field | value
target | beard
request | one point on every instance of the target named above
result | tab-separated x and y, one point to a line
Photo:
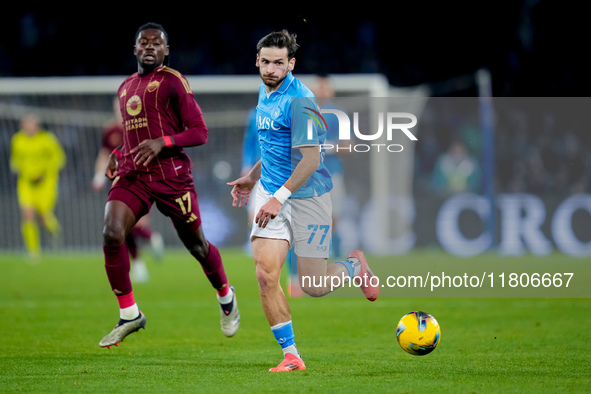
272	82
150	65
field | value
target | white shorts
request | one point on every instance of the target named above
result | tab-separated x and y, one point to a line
306	223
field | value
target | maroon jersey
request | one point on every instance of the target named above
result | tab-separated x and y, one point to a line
155	105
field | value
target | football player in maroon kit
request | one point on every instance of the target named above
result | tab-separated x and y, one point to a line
160	117
111	138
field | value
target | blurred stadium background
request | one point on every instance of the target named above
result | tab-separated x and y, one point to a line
526	163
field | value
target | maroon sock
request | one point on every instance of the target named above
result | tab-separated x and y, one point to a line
214	269
132	246
126	300
117	267
143	232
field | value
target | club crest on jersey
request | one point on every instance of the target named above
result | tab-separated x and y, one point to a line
134	105
152	86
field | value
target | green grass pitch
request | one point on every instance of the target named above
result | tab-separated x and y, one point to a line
53	314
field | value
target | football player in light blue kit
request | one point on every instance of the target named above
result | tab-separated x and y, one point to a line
292	202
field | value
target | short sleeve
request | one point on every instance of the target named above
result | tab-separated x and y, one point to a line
306	122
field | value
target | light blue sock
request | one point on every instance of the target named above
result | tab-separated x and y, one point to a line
284	334
352	266
348	266
285	338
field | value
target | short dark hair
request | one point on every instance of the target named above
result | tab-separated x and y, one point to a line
151	25
280	39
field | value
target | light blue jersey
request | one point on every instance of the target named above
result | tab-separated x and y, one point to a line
331	158
288	119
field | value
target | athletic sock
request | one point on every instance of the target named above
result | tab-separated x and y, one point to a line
285	337
51	223
226	295
128	309
214	268
292	349
142	232
227	301
129	313
352	265
132	246
117	266
31	237
139	271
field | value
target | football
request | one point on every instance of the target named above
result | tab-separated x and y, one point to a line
418	333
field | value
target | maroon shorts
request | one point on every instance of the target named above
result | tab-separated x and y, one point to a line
175	198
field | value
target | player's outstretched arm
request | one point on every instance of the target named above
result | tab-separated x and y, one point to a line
100	166
305	168
242	186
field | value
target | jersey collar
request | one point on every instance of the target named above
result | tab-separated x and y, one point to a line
286	83
156	70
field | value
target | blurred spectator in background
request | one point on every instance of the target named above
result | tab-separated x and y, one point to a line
456	171
37	158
